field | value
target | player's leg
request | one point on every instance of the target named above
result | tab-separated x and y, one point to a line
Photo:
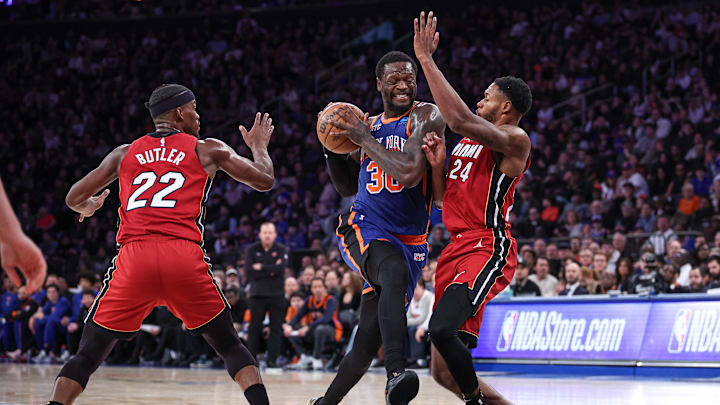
387	268
441	374
95	346
258	308
357	361
239	362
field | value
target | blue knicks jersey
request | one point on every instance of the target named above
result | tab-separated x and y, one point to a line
382	200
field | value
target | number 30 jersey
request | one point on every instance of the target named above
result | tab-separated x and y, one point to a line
477	194
381	199
163	189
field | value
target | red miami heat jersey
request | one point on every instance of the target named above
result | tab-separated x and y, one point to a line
163	189
477	194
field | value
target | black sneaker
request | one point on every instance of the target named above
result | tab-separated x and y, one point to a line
476	400
402	388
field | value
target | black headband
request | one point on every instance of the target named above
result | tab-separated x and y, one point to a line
169	103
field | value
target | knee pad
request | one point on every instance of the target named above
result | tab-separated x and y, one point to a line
79	368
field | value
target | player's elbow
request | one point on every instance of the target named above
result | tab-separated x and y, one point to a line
72	200
265	183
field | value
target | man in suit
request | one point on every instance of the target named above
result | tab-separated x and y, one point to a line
572	278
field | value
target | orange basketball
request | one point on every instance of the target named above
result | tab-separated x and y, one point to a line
327	132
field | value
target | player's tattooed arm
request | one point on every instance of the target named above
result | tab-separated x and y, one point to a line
80	197
257	173
434	148
408	166
344	171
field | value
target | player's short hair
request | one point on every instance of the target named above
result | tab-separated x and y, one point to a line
165	92
517	91
391	57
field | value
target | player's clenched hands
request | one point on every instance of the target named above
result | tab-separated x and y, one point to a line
434	148
20	252
426	37
259	134
92	204
353	127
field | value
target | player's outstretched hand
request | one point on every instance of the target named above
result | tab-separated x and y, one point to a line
352	126
434	148
20	252
259	134
92	204
426	37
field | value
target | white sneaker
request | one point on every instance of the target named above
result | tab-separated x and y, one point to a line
41	358
305	362
317	364
64	357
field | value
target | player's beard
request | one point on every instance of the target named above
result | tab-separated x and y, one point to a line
490	116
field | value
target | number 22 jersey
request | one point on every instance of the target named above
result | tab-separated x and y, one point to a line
163	189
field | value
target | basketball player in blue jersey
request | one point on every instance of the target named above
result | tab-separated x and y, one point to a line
383	236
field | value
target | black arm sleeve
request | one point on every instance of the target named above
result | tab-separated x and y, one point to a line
344	173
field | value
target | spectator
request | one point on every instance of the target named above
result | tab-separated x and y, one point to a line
600	264
619	242
77	323
647	219
238	307
50	325
590	280
319	312
306	279
266	261
701	255
573	227
649	281
572	277
428	275
586	258
438	240
332	283
22	309
232	279
680	258
689	203
528	255
696	281
660	238
713	266
349	303
523	286
542	277
291	286
623	274
607	282
418	315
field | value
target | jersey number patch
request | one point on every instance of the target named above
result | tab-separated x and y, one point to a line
380	180
457	164
145	180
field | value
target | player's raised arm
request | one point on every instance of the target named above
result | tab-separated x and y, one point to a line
457	115
409	166
80	197
257	173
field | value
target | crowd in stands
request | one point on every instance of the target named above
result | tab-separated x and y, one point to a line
623	196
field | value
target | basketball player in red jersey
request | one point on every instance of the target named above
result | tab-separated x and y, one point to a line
485	167
164	179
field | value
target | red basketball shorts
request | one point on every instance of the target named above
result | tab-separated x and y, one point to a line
157	272
483	261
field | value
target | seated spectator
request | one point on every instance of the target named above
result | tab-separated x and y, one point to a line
701	255
332	283
623	274
573	274
585	258
688	204
77	322
437	240
649	281
238	306
306	279
662	235
418	315
607	283
670	274
680	258
696	282
646	220
349	303
22	309
322	327
550	212
50	325
428	275
590	280
290	286
523	286
542	277
232	279
600	263
713	266
528	255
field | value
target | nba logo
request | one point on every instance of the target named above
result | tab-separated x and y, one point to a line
680	331
507	332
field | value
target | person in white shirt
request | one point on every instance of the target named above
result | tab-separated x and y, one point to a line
543	278
618	242
674	252
418	319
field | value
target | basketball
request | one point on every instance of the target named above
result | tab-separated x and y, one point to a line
327	132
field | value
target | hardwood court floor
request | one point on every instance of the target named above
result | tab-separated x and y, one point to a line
31	384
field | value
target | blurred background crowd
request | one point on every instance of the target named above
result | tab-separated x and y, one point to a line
622	195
